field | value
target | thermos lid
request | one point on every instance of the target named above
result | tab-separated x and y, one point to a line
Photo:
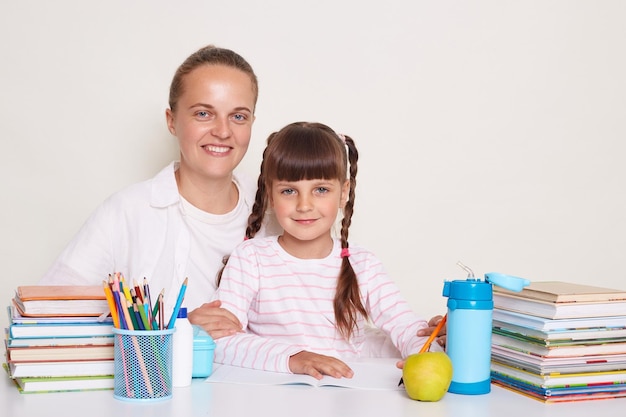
507	282
477	290
468	289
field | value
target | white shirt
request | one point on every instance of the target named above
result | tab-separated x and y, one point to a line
146	231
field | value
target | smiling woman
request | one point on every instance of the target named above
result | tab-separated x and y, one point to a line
183	221
212	121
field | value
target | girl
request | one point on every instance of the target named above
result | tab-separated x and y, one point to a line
305	297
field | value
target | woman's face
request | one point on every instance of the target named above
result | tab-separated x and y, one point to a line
213	121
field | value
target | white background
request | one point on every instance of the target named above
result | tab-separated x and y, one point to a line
490	132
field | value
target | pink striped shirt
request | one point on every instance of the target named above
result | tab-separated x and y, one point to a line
286	306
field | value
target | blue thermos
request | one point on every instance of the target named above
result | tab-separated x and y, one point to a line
469	325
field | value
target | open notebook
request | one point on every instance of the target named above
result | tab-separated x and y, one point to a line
371	375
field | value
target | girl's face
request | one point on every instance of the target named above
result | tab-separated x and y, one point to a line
213	121
307	211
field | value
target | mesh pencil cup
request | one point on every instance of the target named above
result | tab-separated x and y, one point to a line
143	364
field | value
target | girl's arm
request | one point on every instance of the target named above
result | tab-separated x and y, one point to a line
251	351
238	290
390	311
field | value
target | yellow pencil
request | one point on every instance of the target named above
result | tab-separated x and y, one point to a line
109	296
126	289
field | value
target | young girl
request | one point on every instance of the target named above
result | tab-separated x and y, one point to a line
305	297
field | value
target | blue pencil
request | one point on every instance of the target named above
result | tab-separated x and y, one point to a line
179	302
118	302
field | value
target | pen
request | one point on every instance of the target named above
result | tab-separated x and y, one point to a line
179	302
430	339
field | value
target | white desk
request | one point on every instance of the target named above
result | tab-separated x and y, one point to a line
204	399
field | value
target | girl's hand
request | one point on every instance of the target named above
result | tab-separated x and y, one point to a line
216	321
317	365
432	323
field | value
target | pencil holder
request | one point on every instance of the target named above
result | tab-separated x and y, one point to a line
143	364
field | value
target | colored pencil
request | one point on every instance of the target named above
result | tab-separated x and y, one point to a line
179	302
138	291
111	301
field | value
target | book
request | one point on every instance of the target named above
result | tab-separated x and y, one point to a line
560	337
546	324
60	300
597	347
16	318
59	341
561	292
86	383
551	310
541	366
59	353
558	380
559	395
549	364
373	375
55	330
64	369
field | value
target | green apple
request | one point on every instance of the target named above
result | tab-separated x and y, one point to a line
427	375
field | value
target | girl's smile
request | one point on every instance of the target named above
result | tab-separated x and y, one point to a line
307	211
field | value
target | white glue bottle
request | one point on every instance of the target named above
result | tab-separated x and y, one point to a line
182	350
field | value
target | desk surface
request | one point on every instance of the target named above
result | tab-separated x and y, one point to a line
205	399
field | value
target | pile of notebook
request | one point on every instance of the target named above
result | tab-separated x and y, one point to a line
558	341
59	338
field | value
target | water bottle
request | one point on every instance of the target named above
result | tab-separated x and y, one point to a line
182	350
469	325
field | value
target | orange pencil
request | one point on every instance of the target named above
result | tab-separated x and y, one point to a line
434	334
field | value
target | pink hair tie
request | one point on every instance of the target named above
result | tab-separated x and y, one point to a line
345	252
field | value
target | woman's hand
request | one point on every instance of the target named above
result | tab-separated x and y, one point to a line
432	323
217	322
317	365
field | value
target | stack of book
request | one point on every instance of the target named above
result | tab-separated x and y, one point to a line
59	339
558	341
